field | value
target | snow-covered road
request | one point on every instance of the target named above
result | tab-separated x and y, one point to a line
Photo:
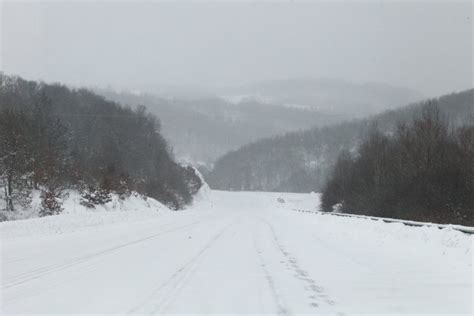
238	253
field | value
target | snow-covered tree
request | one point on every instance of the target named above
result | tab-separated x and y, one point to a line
15	157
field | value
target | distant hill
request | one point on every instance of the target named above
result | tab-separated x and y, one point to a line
301	161
203	129
329	95
53	138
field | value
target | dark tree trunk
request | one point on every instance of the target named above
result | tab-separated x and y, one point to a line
8	193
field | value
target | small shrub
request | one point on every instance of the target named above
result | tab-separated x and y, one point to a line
51	203
92	196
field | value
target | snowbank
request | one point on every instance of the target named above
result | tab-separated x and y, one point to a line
377	233
78	217
354	232
204	191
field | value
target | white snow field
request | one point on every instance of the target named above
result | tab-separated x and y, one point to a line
232	253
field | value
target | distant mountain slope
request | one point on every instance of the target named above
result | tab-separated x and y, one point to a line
203	129
300	161
330	95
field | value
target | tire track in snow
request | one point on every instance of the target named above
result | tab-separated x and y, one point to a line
282	310
44	271
163	295
317	292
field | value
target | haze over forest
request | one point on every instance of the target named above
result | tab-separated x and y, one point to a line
205	67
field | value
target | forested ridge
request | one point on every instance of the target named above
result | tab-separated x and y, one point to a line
53	138
201	129
203	126
424	171
302	161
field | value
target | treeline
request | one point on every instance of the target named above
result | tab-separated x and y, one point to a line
303	161
53	138
422	171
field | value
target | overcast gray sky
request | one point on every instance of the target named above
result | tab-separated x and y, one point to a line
422	45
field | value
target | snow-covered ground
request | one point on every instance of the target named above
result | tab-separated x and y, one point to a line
76	216
232	253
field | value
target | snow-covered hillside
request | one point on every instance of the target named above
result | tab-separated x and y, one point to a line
244	252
